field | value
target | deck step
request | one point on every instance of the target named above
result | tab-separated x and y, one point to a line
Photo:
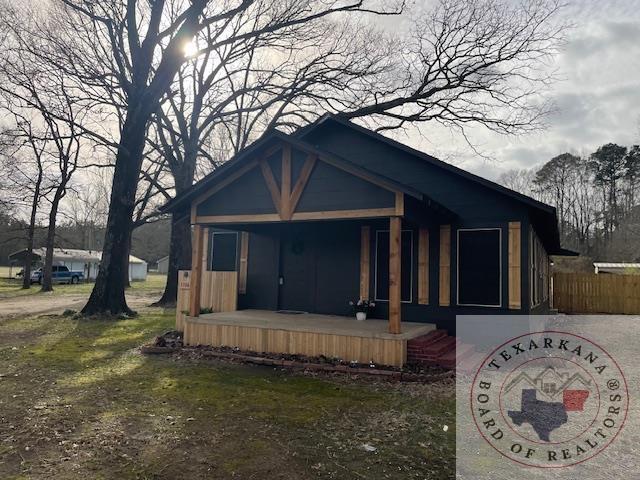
452	358
427	339
440	347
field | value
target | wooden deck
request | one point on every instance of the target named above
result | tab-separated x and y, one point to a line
304	334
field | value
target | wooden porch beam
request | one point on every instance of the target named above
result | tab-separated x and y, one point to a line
205	248
285	184
244	257
395	274
365	251
400	204
274	217
423	267
515	277
196	271
445	266
301	183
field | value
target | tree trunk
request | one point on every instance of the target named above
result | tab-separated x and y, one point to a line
108	292
127	278
26	271
47	284
180	243
179	257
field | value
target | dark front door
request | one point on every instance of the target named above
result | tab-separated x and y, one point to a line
297	269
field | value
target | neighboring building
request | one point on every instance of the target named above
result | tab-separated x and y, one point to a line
86	261
336	212
617	268
163	265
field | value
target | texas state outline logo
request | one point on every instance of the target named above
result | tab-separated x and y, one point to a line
549	399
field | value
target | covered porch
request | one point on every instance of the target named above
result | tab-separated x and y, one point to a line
304	334
294	228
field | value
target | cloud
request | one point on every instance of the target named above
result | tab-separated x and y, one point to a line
597	101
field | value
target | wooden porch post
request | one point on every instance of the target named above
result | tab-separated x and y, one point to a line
395	273
196	271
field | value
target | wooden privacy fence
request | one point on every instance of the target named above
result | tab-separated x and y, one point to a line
591	293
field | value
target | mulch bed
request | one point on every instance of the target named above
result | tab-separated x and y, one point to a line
171	343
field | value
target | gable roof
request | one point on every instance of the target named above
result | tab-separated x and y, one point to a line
273	136
543	215
302	132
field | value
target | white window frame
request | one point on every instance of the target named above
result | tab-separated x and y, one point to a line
375	269
499	229
210	259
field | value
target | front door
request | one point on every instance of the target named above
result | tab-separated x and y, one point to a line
297	269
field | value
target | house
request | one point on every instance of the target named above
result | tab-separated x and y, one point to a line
549	383
336	212
617	268
163	265
86	261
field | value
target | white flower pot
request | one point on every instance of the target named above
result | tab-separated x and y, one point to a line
361	316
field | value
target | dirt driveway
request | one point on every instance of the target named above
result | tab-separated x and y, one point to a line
43	303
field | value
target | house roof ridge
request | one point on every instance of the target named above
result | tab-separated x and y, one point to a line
427	157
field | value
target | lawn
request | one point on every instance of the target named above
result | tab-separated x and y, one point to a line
78	401
13	287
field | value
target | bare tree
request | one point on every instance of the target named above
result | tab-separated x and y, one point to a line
552	181
223	99
131	52
30	85
520	180
465	61
473	62
20	174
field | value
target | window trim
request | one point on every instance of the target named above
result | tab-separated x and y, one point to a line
499	229
536	246
210	258
375	267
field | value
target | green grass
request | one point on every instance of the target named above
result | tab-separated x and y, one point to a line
13	287
78	401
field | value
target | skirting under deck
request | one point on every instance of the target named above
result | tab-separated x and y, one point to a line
304	334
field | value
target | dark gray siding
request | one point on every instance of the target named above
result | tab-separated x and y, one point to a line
445	317
468	199
330	188
246	195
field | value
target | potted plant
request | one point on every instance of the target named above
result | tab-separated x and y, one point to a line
362	308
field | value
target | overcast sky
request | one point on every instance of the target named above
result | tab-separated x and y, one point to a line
597	101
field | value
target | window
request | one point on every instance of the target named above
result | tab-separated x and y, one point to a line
382	265
479	265
223	251
539	271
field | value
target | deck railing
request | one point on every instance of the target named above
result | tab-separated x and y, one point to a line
218	292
